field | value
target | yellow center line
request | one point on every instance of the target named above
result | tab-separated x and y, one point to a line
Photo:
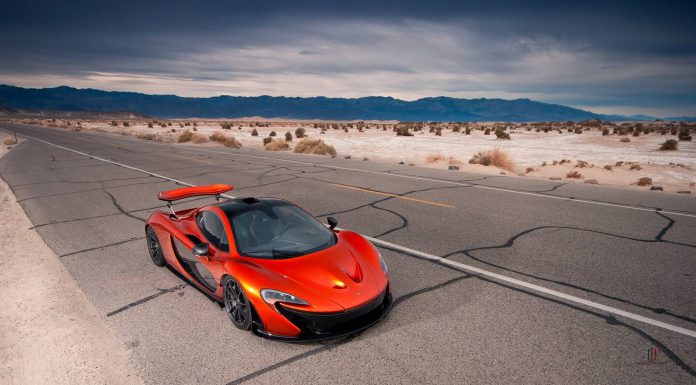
193	159
427	202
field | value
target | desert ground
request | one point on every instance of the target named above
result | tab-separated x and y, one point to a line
625	154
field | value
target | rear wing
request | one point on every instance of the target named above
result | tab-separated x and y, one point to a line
189	192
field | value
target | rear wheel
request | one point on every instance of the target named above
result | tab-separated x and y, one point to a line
236	304
154	247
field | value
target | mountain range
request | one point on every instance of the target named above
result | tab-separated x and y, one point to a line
366	108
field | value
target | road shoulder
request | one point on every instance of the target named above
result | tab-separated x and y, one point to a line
49	331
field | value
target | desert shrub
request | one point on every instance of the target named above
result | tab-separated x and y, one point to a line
487	131
300	132
198	139
225	140
669	145
273	133
403	131
636	133
605	132
149	125
288	137
684	134
317	146
438	131
624	140
619	163
185	136
673	131
529	169
501	134
163	125
276	145
467	131
169	124
267	140
578	130
608	167
432	158
644	181
9	142
173	130
581	164
145	136
113	123
494	157
635	167
254	132
226	125
573	175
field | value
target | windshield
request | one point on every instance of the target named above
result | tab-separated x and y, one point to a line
276	229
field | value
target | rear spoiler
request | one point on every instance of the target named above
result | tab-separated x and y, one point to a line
189	192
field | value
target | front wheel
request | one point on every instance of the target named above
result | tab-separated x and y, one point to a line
154	247
236	304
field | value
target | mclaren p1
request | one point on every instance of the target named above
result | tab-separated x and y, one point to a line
275	269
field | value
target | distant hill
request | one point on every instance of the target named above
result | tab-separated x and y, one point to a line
367	108
41	114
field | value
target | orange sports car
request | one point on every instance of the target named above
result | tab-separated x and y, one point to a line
276	269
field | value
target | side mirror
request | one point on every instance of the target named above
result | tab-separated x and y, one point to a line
332	222
201	249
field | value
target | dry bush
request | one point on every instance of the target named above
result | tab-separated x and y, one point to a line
185	137
225	140
300	132
198	139
149	125
144	136
529	169
273	133
288	137
254	132
403	131
432	158
267	140
605	132
608	167
578	130
581	164
9	142
467	131
644	181
487	131
669	145
317	146
684	134
635	167
624	140
494	157
573	175
277	145
501	134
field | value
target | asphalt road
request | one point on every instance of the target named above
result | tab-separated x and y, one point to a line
634	251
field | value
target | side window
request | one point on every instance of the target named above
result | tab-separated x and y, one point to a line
213	230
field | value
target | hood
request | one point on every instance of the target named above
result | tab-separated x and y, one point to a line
337	273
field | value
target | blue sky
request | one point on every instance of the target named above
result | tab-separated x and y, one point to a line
622	57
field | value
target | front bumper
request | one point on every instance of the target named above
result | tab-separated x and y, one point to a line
321	326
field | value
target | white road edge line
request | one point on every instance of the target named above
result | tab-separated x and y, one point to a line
455	183
455	264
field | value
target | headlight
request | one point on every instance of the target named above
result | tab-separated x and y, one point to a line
273	296
382	263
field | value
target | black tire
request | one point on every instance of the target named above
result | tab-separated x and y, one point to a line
154	247
236	304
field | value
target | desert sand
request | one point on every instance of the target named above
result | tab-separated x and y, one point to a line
597	158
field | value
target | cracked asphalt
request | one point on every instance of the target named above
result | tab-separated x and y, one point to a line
447	326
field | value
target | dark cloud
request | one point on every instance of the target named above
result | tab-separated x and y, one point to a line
599	54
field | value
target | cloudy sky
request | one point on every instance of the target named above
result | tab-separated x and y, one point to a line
624	57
